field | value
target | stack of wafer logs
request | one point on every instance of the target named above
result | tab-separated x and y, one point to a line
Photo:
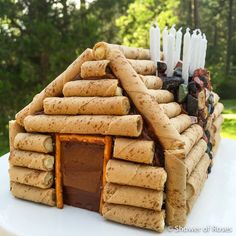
31	165
209	109
182	166
133	193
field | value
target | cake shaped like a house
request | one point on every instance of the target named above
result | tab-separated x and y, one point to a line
110	136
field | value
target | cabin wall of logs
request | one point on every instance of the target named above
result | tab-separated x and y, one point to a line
31	165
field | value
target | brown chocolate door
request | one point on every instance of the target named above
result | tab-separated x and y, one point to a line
82	170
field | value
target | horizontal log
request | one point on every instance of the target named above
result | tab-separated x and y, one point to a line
141	151
126	173
94	68
195	155
133	196
216	98
217	123
196	178
171	109
118	105
32	160
191	136
190	202
216	144
139	217
38	195
151	81
218	110
33	142
130	125
181	122
129	52
143	67
36	178
92	88
162	96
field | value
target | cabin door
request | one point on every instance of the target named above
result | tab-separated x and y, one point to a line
82	165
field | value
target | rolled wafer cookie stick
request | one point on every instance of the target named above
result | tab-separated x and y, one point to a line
94	68
41	179
33	160
218	110
126	173
137	91
181	122
33	142
217	123
191	136
152	82
118	105
92	88
141	151
129	125
29	193
128	52
20	116
195	155
133	196
176	190
162	96
55	87
195	179
216	145
216	98
14	129
192	200
143	67
171	109
209	122
135	216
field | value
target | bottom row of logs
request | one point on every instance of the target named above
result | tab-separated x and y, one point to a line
32	185
133	195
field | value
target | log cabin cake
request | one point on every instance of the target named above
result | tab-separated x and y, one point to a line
113	134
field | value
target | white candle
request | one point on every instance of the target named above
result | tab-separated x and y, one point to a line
204	48
173	30
155	42
178	45
186	56
198	53
170	55
194	39
165	42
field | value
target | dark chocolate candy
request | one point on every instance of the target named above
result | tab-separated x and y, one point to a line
209	169
178	72
192	87
161	67
172	83
207	133
192	105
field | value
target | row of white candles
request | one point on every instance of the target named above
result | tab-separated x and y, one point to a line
194	49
